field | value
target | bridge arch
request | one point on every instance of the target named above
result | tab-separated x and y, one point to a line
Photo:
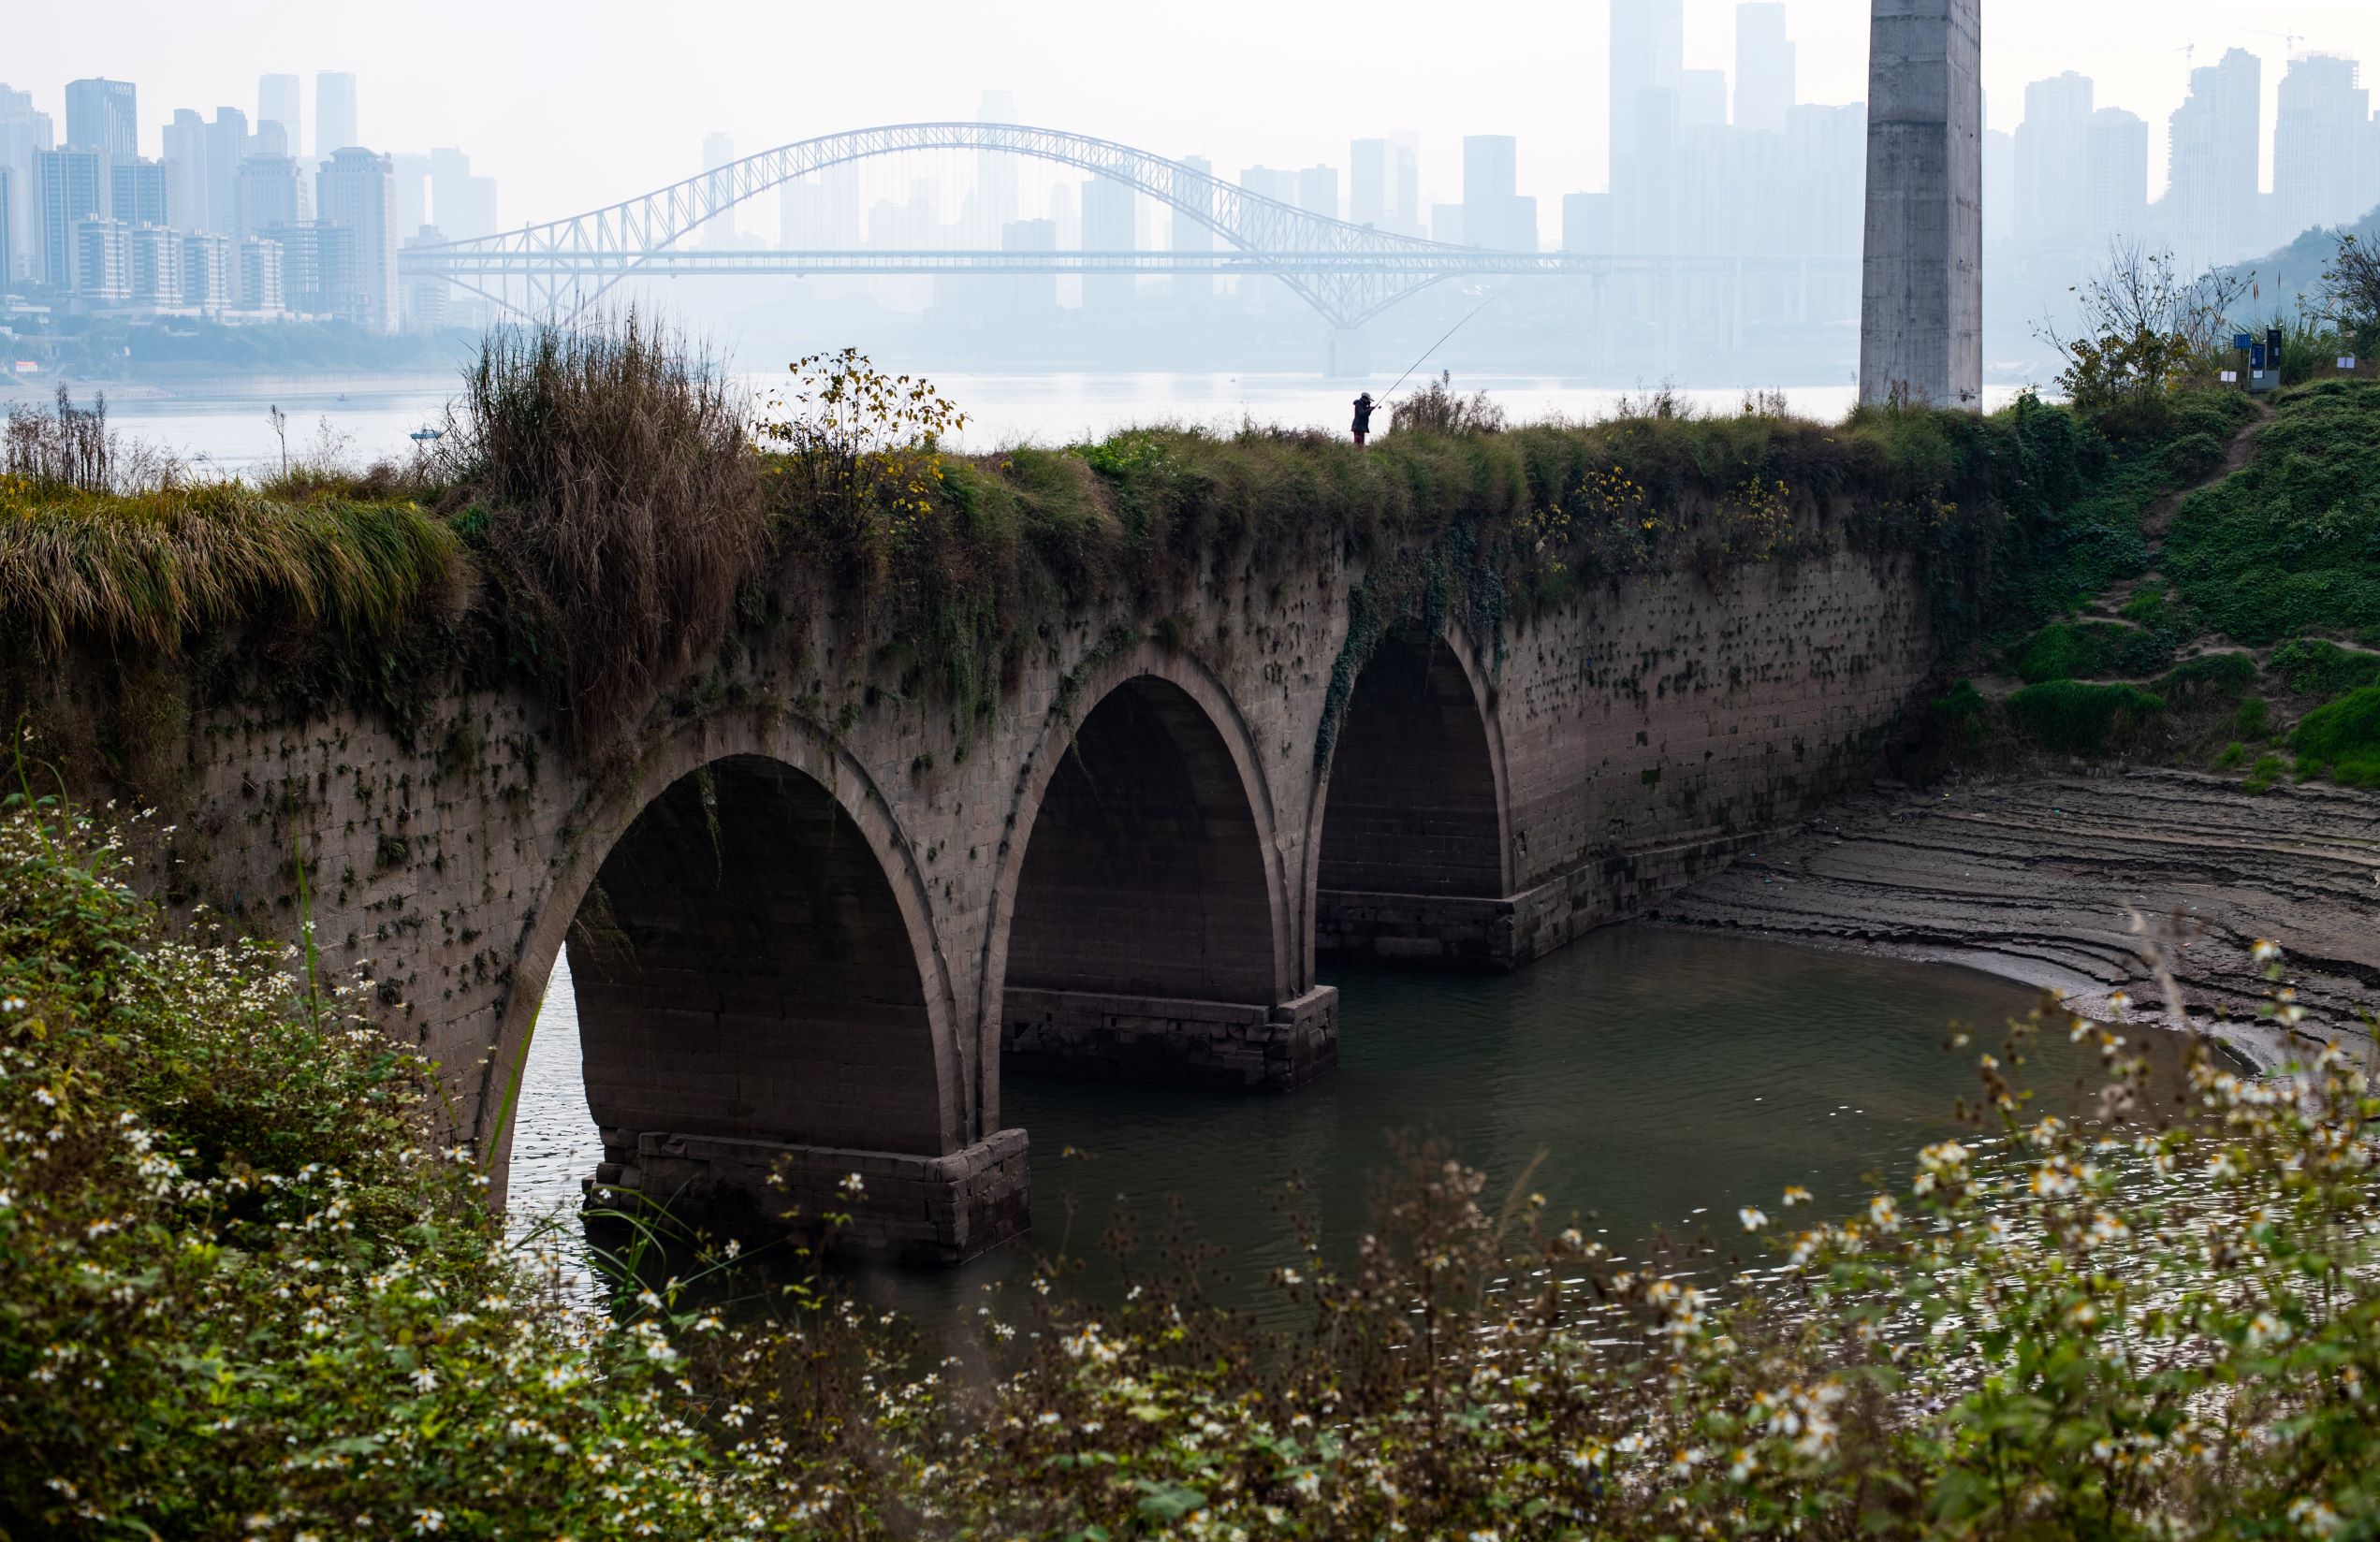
1409	851
1144	917
1247	220
756	963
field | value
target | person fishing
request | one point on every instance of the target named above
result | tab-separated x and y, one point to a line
1363	418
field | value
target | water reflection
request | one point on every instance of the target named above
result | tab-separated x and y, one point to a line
1665	1077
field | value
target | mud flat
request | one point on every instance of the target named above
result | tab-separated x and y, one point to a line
2041	880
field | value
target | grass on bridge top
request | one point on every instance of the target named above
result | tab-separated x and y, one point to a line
601	515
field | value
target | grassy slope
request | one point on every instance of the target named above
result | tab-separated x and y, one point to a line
2291	544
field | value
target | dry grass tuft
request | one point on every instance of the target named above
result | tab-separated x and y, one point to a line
622	499
148	570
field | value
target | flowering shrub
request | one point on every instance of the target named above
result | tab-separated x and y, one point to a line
240	1297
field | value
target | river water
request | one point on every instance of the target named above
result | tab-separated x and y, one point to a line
1656	1078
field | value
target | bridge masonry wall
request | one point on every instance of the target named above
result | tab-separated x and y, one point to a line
1650	733
1641	734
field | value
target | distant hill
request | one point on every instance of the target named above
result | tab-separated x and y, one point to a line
2296	268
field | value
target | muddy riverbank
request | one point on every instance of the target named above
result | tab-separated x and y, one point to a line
2041	880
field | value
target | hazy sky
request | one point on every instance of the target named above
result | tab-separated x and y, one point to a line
577	105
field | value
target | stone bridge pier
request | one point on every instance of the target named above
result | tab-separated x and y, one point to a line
815	918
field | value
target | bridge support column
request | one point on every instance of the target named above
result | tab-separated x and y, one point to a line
1350	355
1178	1041
913	1209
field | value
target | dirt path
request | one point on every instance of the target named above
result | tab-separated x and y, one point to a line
2158	517
2039	880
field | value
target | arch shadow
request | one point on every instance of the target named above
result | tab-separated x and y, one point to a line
761	1000
1143	922
1410	854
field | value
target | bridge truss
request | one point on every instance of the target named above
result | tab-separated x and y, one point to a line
1349	273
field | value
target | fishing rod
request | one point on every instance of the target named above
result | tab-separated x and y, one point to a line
1441	341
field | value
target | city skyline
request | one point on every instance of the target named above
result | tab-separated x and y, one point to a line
1316	84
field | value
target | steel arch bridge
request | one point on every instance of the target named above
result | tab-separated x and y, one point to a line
1348	272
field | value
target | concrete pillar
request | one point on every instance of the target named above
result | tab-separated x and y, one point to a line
1921	313
1351	353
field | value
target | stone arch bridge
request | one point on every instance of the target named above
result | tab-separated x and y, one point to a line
813	924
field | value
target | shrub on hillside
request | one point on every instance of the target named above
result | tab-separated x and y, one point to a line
2074	718
2312	667
2291	544
2342	739
2070	651
2209	677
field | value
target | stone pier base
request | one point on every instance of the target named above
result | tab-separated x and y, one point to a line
1451	931
913	1209
1156	1039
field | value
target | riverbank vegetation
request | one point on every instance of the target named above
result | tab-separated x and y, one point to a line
2230	614
240	1296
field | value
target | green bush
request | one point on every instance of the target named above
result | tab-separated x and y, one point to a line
2312	667
2072	650
235	1284
2291	544
2342	739
2210	677
2078	718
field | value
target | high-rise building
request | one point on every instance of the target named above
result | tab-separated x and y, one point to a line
8	229
277	99
1702	99
1648	67
334	113
153	262
319	270
25	134
2317	140
210	274
1029	296
138	193
74	188
1648	53
2053	162
270	191
226	146
185	139
256	281
719	150
413	192
1318	191
1384	186
1999	184
1371	193
1267	183
357	190
2118	175
1765	63
1826	150
995	207
464	205
1494	213
1192	197
102	115
2216	161
1110	216
102	258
